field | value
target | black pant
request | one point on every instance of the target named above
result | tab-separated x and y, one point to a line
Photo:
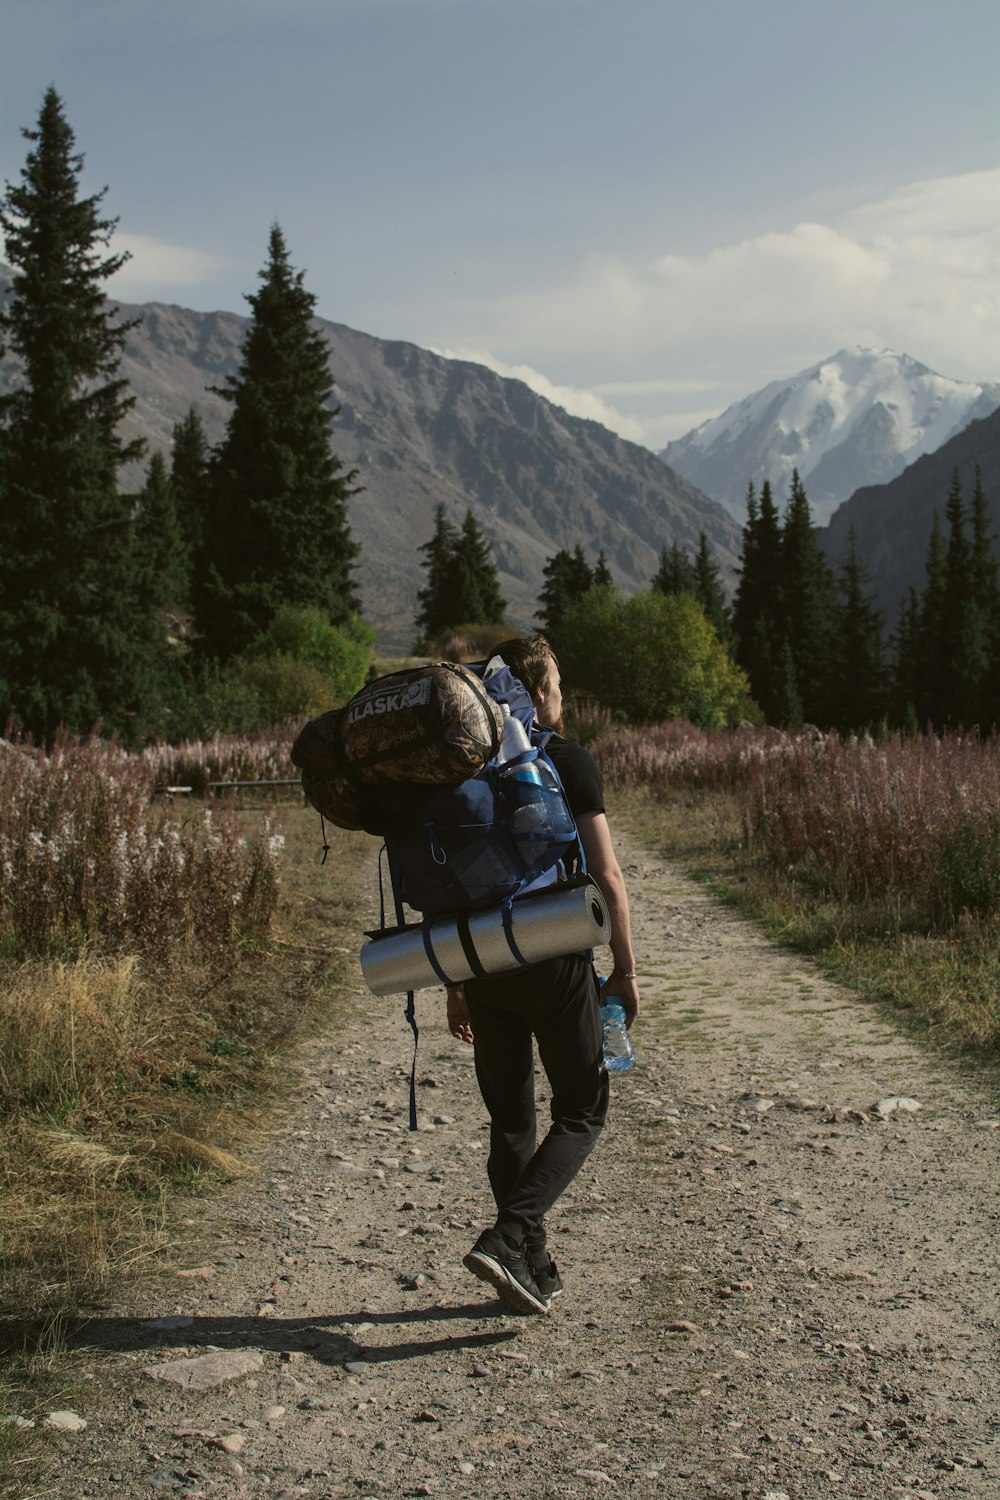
558	1002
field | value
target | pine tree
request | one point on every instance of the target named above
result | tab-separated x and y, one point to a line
75	642
858	690
985	591
602	573
567	576
434	613
932	672
708	589
964	639
906	664
189	483
476	599
675	574
162	554
276	524
756	606
807	597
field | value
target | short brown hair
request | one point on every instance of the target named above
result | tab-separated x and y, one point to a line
531	659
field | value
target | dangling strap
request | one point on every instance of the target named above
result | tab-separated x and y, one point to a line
326	842
411	1009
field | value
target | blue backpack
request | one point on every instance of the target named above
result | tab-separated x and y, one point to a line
503	831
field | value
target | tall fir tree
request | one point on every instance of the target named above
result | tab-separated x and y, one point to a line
476	599
906	689
602	573
567	576
433	614
858	692
708	589
76	644
932	674
462	586
189	483
276	526
675	574
756	607
807	597
986	593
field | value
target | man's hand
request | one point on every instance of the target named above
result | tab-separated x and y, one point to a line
625	990
459	1023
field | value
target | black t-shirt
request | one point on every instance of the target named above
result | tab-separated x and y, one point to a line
579	774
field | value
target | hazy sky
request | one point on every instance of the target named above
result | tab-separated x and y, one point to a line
646	208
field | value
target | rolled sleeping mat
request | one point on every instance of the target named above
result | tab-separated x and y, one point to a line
561	919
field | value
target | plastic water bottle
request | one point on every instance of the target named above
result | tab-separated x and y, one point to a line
515	739
619	1054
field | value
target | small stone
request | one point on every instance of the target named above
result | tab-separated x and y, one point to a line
21	1423
167	1325
466	1468
682	1327
65	1421
897	1103
233	1442
207	1370
756	1105
357	1367
273	1413
595	1476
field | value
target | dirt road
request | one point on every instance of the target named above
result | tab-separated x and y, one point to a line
774	1288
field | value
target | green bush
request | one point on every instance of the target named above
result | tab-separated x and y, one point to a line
285	688
651	657
341	653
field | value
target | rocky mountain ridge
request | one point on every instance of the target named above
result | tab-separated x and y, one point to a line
892	522
424	430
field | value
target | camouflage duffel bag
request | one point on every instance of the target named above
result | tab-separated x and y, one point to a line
432	725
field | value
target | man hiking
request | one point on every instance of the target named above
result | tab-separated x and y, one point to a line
558	1003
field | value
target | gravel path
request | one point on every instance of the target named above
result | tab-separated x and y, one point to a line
773	1288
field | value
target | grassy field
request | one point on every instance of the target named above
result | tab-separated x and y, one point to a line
160	957
880	860
129	1072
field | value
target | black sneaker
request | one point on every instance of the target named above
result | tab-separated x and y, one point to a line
547	1278
492	1259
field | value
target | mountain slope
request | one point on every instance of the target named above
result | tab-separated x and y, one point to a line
858	418
892	522
423	431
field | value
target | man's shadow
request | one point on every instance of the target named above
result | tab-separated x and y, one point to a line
319	1337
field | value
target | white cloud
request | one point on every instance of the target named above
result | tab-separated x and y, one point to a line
918	272
155	266
575	400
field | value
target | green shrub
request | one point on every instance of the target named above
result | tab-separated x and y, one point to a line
341	653
651	657
285	688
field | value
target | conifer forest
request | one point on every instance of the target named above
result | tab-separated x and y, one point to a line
222	596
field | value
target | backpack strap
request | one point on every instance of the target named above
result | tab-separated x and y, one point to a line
411	1008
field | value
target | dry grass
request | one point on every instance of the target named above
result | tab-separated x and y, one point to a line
946	983
120	1080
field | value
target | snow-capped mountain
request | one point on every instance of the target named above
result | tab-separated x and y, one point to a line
858	418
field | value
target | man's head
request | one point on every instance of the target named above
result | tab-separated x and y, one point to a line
533	661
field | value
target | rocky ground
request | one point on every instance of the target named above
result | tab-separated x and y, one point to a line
780	1268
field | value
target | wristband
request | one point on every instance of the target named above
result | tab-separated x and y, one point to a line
620	974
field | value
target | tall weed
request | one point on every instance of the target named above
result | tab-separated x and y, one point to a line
87	862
